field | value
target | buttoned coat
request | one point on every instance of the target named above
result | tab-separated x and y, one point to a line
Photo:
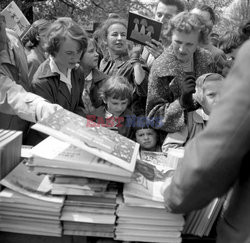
164	87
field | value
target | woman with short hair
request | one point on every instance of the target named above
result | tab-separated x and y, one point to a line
172	76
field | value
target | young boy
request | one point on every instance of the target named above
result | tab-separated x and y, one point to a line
146	136
208	87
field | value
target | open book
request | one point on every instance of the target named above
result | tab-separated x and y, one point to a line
151	173
15	19
142	28
91	137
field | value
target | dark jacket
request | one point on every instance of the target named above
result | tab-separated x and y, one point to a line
164	88
48	85
219	159
98	79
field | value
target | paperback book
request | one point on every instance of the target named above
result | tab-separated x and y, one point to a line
142	28
15	19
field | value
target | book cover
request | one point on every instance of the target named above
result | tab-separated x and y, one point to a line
21	180
150	175
52	152
142	28
91	137
15	19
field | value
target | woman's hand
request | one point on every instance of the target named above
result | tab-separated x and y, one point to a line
155	48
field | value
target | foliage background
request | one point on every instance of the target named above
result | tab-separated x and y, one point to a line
230	13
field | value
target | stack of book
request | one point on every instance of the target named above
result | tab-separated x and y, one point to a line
88	150
82	160
55	157
25	206
141	214
200	222
10	151
90	215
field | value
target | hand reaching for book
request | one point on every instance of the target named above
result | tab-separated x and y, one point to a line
45	110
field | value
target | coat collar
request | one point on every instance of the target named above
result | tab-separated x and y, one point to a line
98	76
46	70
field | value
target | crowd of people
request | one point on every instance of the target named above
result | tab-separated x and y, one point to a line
160	95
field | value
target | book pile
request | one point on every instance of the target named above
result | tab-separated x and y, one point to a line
200	222
25	206
89	208
142	215
55	157
90	215
10	151
82	160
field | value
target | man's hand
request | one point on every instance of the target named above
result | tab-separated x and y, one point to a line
187	89
3	35
155	48
46	110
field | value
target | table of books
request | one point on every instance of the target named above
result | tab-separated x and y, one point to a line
64	193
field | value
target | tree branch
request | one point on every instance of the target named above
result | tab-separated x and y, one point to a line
98	6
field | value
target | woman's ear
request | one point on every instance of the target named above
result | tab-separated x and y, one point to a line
37	37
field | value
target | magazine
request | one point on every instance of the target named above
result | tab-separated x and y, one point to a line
15	19
142	28
91	137
150	175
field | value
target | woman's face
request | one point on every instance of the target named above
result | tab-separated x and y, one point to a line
185	44
116	39
90	57
68	55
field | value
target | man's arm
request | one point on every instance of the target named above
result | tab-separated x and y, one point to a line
212	161
15	100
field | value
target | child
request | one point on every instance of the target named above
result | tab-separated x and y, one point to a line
116	93
93	78
146	135
208	87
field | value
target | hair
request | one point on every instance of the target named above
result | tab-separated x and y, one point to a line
206	8
143	122
188	22
103	32
38	27
214	38
178	3
230	41
244	30
200	83
117	87
114	16
61	29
